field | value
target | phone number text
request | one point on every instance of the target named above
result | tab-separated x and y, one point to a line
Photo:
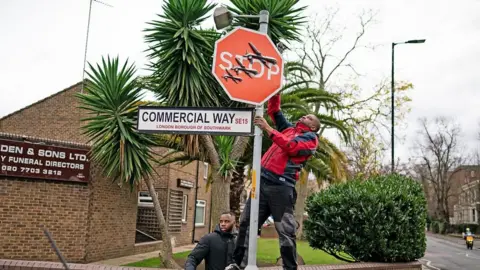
9	168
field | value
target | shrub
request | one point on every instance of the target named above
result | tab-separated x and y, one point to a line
435	227
379	220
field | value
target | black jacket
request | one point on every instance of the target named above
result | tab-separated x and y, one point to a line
216	248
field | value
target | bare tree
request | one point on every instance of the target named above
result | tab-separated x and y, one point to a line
323	36
439	153
322	52
327	50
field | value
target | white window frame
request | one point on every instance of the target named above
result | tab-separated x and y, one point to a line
205	170
184	208
200	203
145	201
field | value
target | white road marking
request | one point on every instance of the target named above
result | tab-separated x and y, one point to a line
429	264
473	256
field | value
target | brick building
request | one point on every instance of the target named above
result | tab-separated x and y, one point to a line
466	205
98	219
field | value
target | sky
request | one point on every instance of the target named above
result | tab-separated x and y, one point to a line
43	45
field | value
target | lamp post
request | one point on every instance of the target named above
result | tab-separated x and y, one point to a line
413	41
223	18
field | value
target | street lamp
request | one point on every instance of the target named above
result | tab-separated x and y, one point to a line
224	18
413	41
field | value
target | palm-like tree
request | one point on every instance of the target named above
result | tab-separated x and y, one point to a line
180	53
111	98
284	18
181	57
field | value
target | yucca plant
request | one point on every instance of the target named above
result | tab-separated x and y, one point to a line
285	20
111	98
181	55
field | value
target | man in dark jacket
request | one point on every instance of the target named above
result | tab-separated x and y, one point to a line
292	146
217	247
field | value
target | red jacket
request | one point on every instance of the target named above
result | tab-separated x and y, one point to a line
292	147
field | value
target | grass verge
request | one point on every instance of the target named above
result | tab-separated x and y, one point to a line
267	254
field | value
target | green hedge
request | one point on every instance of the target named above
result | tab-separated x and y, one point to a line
379	220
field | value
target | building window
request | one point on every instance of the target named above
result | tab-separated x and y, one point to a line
144	199
473	215
184	208
205	170
175	206
200	213
472	174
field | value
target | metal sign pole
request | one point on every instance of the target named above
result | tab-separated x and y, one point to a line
257	156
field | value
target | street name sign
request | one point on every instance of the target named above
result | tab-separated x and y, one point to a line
195	120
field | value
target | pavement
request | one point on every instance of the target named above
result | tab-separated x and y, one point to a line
450	253
140	257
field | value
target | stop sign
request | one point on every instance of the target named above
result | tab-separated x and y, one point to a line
248	66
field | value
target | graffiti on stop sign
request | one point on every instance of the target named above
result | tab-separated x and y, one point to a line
248	66
256	65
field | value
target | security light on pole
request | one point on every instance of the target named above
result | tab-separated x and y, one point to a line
223	17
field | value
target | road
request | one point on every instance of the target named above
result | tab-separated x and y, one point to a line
451	255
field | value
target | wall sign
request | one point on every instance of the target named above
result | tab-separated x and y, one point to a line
184	183
195	120
40	161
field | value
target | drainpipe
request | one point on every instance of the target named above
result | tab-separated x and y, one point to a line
210	214
195	203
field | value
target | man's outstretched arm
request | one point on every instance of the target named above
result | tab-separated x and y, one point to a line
273	110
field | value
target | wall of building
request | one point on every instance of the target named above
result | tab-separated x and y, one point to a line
112	219
166	179
189	173
89	222
110	212
465	202
27	205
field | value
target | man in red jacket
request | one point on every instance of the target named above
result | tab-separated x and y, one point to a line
292	146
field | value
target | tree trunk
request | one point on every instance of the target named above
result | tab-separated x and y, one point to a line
236	188
220	198
166	251
239	147
302	192
238	182
221	187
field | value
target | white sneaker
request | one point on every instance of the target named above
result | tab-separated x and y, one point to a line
232	266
